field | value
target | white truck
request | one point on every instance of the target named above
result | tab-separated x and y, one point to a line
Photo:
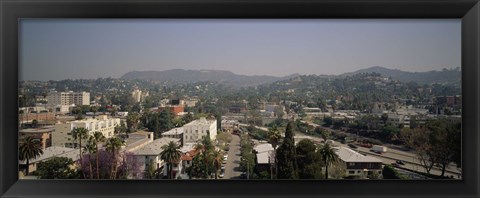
379	149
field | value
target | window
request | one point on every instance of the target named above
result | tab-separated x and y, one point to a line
351	172
351	164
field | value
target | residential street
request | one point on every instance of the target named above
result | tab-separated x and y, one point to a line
233	162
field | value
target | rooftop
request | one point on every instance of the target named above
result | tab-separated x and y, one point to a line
349	155
174	131
57	151
201	121
263	148
37	130
155	147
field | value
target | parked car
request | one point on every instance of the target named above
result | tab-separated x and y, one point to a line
394	164
352	146
222	172
400	162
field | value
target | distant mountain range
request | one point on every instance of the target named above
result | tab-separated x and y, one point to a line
188	76
234	80
429	77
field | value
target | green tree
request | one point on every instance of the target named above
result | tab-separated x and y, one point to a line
94	109
56	168
171	155
98	138
329	156
90	149
132	121
29	148
217	161
113	146
80	134
286	156
307	159
150	171
274	138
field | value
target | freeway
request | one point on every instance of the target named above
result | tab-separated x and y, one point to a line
392	155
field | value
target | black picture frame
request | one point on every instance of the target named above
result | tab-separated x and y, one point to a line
11	11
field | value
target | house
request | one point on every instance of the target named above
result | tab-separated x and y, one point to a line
357	164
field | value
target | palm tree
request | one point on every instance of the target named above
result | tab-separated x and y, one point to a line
29	148
217	161
170	154
78	135
113	146
274	138
91	149
98	138
329	156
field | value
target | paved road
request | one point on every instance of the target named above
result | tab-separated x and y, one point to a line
392	155
233	162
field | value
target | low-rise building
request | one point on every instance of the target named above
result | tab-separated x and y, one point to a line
138	140
174	133
150	153
63	131
44	134
357	164
49	153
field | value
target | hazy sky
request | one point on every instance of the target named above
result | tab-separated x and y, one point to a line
56	49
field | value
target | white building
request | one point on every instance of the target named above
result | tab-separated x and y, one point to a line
195	130
137	95
150	153
68	98
63	131
174	133
265	154
357	164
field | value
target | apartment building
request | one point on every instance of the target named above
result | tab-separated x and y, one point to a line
195	130
63	131
68	98
357	164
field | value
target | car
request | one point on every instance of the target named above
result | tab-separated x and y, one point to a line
394	164
222	172
400	162
352	146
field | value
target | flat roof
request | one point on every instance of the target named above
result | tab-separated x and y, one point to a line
174	131
37	130
349	155
57	151
201	121
155	147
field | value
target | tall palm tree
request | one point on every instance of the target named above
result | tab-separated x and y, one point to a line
217	161
170	154
98	138
274	138
329	156
79	134
91	149
29	148
113	146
